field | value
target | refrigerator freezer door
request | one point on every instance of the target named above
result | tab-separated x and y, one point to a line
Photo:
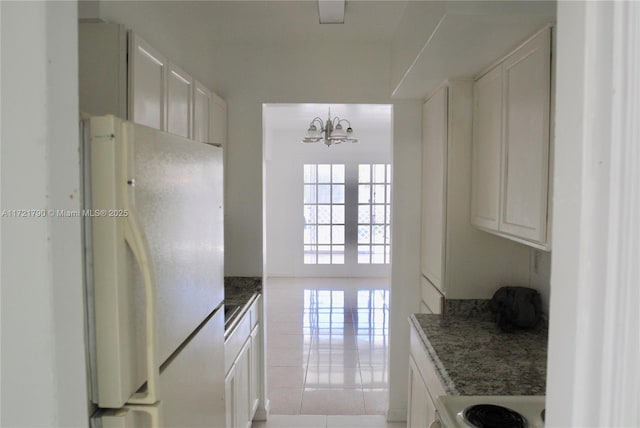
176	192
173	188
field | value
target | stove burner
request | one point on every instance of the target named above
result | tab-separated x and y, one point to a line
492	416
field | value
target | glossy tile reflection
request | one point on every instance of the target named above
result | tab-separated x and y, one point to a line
327	343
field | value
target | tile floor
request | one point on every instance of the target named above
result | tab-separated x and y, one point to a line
322	421
327	343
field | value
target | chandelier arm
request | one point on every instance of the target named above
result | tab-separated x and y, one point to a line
344	120
320	121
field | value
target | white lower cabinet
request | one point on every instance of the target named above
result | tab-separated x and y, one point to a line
237	389
229	387
424	386
241	392
244	375
255	360
421	407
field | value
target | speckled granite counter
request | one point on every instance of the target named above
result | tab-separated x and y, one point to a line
473	357
239	292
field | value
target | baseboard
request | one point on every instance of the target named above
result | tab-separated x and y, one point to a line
397	415
262	412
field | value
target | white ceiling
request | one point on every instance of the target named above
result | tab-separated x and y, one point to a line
285	125
277	21
429	41
468	38
298	116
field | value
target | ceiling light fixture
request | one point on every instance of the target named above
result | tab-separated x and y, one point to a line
331	11
330	132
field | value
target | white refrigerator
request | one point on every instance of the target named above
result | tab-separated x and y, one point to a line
154	267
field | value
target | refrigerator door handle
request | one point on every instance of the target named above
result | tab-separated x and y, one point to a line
134	236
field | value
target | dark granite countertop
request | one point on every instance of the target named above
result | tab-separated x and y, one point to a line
474	357
239	292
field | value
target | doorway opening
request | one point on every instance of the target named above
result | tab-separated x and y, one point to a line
327	209
327	233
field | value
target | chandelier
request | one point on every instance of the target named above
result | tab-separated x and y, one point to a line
330	132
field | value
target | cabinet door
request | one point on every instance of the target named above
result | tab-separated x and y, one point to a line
487	150
102	69
237	389
147	78
421	410
219	121
434	166
255	371
202	108
526	86
230	397
241	399
179	101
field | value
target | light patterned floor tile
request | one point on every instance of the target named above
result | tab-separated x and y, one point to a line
361	421
333	402
293	421
286	377
340	348
285	401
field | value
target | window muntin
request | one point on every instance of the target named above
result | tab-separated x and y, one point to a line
324	213
374	213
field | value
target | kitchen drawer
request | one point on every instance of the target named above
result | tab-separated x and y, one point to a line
233	344
425	366
430	295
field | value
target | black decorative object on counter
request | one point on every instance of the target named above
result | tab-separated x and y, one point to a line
516	308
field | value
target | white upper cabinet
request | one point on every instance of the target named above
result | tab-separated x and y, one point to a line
102	69
219	121
487	149
179	101
121	74
434	169
202	112
147	83
512	145
527	86
457	260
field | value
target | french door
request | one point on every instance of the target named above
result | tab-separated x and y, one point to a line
347	218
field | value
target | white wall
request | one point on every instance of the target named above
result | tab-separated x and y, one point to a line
43	349
284	126
282	74
594	345
405	257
